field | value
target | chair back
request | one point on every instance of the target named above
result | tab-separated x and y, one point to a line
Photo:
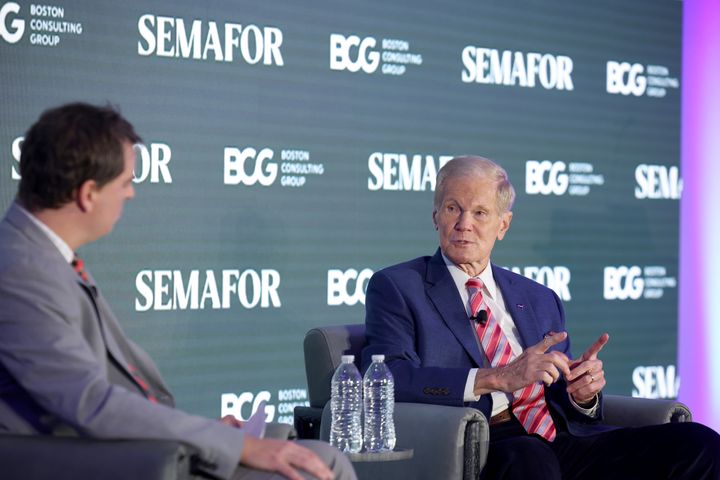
323	347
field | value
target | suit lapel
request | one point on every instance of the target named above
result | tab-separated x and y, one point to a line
444	295
113	339
123	353
110	332
519	307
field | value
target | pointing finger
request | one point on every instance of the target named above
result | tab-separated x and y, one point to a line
549	341
592	352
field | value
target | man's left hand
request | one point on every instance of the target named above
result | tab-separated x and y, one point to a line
587	377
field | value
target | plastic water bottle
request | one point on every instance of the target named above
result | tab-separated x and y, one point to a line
346	407
379	403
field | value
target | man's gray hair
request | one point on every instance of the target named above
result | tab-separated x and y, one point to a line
470	165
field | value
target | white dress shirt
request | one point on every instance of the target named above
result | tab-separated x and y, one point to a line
493	299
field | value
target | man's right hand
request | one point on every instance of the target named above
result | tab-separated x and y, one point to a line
535	364
283	457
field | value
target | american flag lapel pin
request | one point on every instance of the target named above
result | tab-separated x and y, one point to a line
520	306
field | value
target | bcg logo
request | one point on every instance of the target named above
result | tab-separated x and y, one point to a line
347	287
244	405
545	177
11	29
248	166
353	53
622	283
626	79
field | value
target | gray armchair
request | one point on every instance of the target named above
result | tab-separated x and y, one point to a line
448	442
41	457
32	457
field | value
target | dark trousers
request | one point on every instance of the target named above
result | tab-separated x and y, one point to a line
668	451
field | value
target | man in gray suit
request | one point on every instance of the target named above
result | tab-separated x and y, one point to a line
65	363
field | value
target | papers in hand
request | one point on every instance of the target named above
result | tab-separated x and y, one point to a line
255	425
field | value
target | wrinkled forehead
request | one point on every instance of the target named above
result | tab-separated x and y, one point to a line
453	185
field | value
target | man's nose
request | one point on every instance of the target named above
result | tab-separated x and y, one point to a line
464	221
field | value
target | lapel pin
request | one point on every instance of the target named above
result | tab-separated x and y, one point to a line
520	306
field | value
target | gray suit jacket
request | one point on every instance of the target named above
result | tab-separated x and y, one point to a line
64	360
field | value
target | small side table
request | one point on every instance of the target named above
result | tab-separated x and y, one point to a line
380	465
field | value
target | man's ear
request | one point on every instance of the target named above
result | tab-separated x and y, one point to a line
433	217
85	195
505	220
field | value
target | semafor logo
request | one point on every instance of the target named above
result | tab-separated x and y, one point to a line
658	182
403	172
655	382
200	40
16	149
529	70
556	278
206	289
152	164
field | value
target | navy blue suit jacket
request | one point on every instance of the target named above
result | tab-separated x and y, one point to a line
416	318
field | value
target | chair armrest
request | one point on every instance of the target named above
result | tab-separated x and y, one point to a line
281	431
46	457
448	442
626	411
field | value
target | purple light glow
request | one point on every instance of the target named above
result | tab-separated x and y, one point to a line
699	305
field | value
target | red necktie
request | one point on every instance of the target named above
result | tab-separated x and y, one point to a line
79	267
528	404
143	384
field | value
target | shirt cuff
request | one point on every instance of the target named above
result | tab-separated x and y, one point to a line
591	412
469	393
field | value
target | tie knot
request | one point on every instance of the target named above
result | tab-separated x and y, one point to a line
474	283
79	267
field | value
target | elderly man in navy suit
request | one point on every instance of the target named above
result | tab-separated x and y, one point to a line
458	330
65	364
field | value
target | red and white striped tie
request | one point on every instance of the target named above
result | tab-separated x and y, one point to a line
528	404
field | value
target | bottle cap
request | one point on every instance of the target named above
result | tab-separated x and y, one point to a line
378	358
347	358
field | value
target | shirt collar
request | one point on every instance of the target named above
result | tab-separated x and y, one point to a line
460	277
59	243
